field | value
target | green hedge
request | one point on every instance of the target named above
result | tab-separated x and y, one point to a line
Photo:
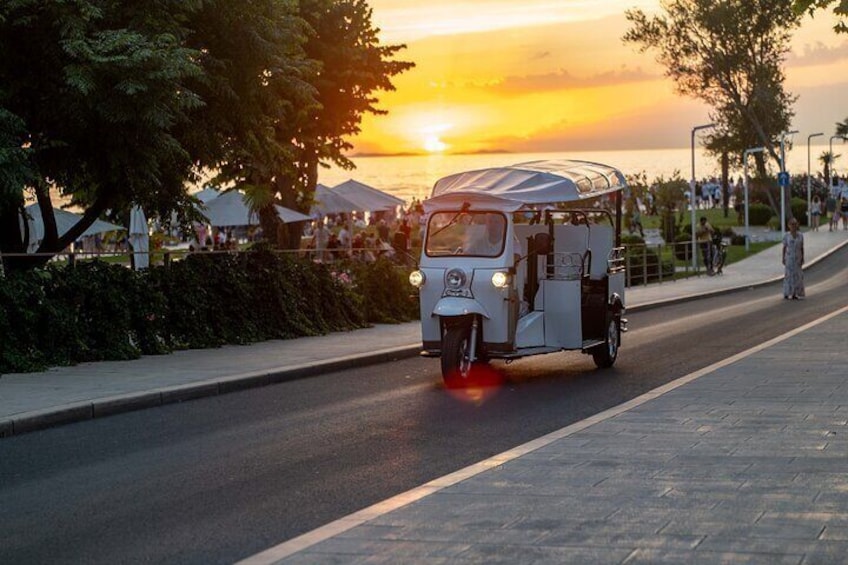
759	214
97	311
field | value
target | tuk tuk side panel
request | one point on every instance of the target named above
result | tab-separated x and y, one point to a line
562	314
601	242
616	286
499	328
429	296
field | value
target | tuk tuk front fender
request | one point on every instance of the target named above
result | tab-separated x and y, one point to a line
452	306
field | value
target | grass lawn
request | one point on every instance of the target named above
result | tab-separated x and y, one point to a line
715	217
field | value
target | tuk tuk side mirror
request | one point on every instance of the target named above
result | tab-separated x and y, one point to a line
542	243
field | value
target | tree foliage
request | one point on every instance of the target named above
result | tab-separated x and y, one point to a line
108	103
352	67
728	53
840	9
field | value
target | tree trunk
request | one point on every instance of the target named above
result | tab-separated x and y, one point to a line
270	222
760	160
11	215
725	184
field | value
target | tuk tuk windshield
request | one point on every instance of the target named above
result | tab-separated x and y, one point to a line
466	234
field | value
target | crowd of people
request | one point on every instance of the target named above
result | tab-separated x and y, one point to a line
386	234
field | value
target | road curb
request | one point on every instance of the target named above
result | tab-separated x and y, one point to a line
82	411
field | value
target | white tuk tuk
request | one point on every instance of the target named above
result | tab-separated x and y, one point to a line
520	261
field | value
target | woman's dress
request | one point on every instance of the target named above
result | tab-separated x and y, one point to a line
793	278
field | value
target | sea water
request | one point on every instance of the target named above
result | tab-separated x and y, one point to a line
411	177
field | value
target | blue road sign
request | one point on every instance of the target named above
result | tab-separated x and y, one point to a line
783	179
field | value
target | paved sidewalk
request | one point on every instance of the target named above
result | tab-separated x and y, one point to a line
742	462
60	395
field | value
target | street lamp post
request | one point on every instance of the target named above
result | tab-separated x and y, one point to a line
830	146
809	181
783	188
745	168
692	195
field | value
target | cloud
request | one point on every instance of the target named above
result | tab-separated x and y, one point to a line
518	85
818	54
403	20
653	128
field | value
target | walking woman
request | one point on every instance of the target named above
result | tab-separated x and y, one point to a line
815	212
793	262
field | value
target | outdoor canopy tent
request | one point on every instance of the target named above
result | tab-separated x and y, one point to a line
207	194
328	201
64	221
367	198
231	209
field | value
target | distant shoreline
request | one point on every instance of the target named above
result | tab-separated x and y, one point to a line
425	154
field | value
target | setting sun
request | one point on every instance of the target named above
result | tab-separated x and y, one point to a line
432	135
432	144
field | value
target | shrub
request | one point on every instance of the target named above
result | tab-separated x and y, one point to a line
96	311
798	207
759	214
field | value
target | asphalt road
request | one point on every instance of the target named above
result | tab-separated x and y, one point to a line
218	479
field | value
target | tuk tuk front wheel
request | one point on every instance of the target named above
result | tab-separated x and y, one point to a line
456	365
606	354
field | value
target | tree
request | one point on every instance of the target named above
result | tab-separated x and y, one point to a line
670	198
90	93
728	53
842	128
840	9
258	91
826	159
352	67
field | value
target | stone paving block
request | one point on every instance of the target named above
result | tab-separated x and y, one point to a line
620	539
304	558
826	550
697	557
541	554
782	532
446	534
470	512
836	519
836	532
401	550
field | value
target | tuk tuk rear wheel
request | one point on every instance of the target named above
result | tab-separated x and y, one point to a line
456	366
606	354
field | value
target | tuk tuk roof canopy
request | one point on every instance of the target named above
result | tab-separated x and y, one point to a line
533	183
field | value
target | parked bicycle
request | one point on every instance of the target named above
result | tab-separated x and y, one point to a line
719	253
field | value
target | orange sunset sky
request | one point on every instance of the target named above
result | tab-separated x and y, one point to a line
544	75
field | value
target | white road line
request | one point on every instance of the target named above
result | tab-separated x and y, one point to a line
288	548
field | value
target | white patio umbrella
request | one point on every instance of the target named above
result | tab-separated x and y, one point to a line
231	209
207	194
139	238
64	221
328	201
367	197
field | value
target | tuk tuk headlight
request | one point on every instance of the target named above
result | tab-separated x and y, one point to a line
417	279
500	280
455	279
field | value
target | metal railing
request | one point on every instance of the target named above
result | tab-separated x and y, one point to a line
658	263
